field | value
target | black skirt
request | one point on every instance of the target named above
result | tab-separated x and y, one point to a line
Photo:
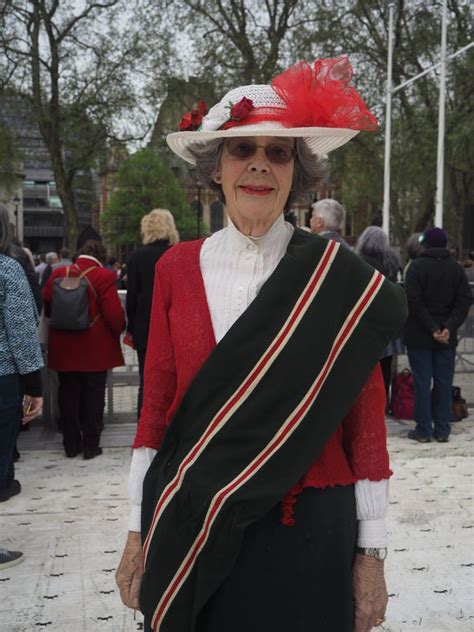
292	579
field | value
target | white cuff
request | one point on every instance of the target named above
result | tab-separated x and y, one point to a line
141	459
371	503
371	499
372	534
134	519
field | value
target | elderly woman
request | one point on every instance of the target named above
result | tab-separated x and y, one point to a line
262	431
374	247
83	356
158	232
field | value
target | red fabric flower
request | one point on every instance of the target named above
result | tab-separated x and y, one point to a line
191	121
241	109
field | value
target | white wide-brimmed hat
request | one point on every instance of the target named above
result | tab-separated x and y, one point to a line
313	102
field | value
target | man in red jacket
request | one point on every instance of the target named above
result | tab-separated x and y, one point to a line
82	358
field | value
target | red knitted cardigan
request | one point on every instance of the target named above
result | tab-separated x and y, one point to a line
181	338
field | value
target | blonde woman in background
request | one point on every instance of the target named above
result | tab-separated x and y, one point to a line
158	232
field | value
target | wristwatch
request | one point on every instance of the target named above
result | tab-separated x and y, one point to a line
379	554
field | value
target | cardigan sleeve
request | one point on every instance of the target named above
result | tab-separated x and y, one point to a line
160	368
364	431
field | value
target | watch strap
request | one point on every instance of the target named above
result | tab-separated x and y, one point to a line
378	553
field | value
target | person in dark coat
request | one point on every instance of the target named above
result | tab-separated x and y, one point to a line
158	234
438	301
82	358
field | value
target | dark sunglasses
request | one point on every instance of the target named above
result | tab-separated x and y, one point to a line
277	153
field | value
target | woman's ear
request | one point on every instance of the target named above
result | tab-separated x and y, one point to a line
216	176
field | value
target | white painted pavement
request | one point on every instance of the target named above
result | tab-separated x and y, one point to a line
70	522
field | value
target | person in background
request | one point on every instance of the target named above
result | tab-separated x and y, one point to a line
414	248
19	254
374	247
29	254
468	265
438	300
20	364
122	273
111	261
327	220
82	358
158	233
114	266
64	259
51	260
40	266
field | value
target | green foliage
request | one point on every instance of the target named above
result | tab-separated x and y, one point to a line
144	183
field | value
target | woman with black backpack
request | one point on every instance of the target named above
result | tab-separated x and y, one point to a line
83	344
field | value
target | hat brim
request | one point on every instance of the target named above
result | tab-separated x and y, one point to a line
320	140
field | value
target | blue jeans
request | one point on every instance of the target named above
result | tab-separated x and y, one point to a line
437	365
10	414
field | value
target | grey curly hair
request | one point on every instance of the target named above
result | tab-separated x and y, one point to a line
310	169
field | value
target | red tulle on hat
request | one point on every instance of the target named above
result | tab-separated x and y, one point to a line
318	95
315	95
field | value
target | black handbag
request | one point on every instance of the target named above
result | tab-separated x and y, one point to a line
460	410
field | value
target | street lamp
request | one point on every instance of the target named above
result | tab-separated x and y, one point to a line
16	202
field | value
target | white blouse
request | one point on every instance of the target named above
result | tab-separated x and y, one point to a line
234	268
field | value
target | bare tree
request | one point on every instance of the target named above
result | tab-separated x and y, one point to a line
361	30
74	66
232	42
228	40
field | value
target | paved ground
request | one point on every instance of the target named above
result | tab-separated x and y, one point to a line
70	522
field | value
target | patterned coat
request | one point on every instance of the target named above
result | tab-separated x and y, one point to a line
19	347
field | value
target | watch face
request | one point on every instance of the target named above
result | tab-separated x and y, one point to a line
380	554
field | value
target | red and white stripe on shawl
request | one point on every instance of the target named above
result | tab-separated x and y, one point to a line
245	389
280	437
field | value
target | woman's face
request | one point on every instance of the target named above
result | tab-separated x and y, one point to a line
256	186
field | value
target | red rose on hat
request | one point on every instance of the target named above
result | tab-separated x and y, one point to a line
241	109
191	121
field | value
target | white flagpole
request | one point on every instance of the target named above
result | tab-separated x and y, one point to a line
388	127
441	122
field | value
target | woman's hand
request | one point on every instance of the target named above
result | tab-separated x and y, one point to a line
130	570
31	408
370	592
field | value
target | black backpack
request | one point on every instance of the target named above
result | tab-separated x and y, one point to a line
70	304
